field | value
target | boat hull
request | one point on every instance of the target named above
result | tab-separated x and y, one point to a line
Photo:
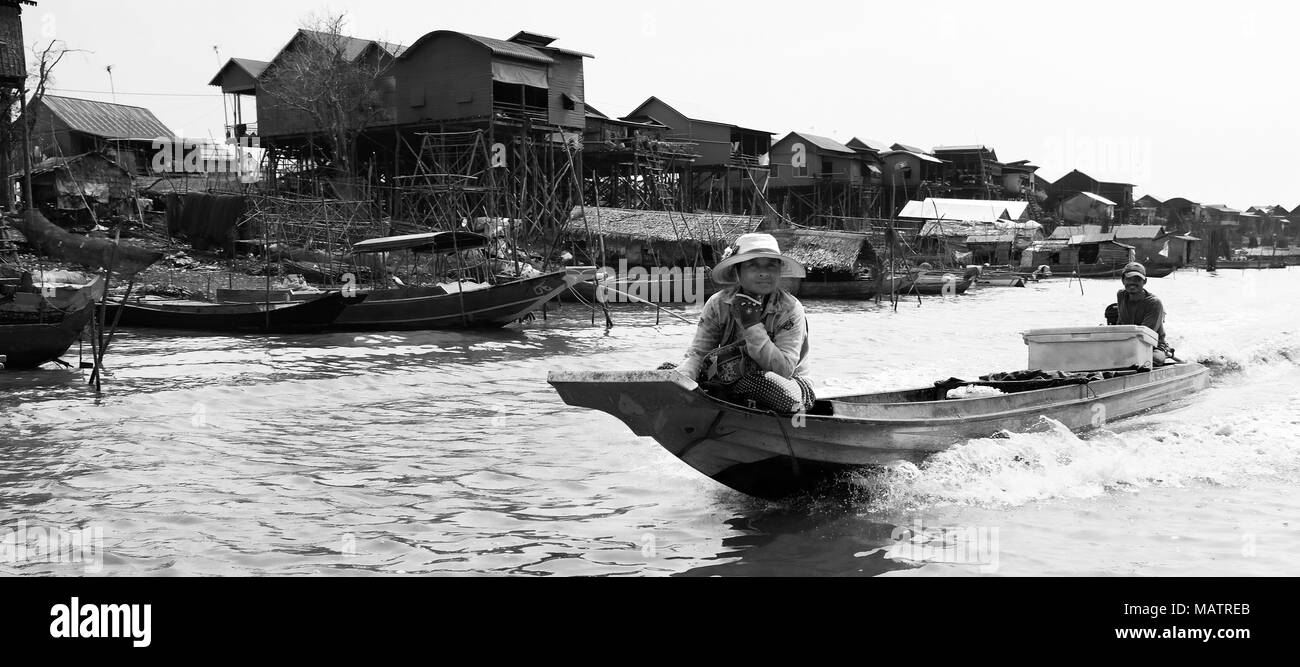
770	456
935	284
431	308
26	346
220	318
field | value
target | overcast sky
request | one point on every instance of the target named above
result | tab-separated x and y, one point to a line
1192	99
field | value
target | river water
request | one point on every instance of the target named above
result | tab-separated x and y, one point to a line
447	453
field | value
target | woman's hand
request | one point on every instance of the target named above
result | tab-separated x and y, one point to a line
746	310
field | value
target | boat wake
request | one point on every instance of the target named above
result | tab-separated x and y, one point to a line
1244	429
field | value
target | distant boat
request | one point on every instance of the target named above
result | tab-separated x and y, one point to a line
452	305
219	318
860	289
35	330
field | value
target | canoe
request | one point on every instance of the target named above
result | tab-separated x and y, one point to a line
772	456
435	307
219	318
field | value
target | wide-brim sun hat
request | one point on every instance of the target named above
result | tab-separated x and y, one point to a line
754	246
1134	269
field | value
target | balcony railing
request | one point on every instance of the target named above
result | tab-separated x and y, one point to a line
538	115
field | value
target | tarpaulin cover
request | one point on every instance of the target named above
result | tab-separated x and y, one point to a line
527	75
205	220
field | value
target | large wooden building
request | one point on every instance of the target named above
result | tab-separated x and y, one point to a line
816	180
731	168
489	124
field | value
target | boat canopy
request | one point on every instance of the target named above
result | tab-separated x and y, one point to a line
436	242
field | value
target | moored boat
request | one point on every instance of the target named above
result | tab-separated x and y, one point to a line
35	329
452	305
938	283
309	316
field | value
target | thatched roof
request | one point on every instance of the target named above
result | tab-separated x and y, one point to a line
662	225
821	250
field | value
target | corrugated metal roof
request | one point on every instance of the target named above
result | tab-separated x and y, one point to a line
877	146
964	149
1080	239
1064	232
1096	197
1138	231
253	68
920	156
103	119
695	112
505	49
909	149
351	46
825	143
964	209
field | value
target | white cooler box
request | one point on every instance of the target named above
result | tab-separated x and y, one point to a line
1090	348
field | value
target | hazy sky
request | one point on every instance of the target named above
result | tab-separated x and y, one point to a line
1192	99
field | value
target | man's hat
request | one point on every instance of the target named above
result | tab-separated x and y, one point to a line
1134	269
754	246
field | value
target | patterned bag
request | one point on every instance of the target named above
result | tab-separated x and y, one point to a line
727	365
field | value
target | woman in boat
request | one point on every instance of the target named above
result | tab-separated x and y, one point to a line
752	342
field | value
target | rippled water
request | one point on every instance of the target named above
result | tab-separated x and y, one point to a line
437	452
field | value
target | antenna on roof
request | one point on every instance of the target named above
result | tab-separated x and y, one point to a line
111	88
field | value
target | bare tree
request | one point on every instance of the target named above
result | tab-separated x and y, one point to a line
39	76
339	90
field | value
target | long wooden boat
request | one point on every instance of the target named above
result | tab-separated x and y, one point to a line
773	456
937	282
1106	270
436	308
219	318
866	288
1000	280
459	305
35	329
